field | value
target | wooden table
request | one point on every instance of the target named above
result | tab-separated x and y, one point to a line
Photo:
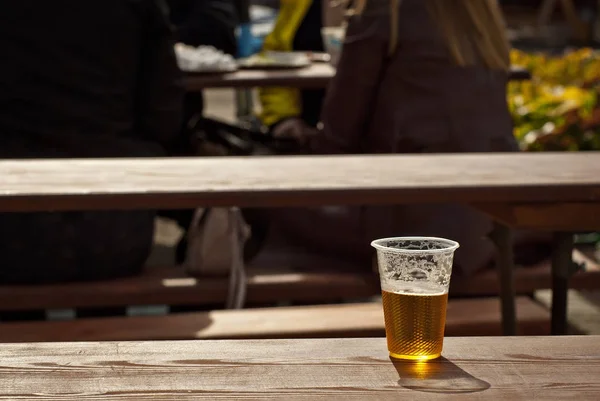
317	75
487	179
508	368
552	191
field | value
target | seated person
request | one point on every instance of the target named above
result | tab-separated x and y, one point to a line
415	76
84	79
203	23
298	28
200	23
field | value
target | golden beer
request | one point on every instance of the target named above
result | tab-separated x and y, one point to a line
414	324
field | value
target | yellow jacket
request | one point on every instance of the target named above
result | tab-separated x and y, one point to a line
279	103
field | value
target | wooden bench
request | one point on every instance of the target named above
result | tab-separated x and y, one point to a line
529	279
578	27
465	317
559	192
171	286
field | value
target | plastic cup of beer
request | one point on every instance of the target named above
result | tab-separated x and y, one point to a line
415	277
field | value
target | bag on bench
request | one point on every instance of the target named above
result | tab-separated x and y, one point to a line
216	240
211	137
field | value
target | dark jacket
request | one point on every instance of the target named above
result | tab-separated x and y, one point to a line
93	78
203	23
83	78
206	22
414	101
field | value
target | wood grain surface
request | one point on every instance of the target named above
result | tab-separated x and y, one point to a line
298	181
317	75
508	368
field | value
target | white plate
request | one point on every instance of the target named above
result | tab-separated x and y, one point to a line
271	59
203	60
209	70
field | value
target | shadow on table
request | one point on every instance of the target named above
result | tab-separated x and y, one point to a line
437	376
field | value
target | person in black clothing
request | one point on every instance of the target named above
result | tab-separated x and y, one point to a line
83	79
205	22
200	23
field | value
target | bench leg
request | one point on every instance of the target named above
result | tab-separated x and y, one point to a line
243	98
561	266
502	237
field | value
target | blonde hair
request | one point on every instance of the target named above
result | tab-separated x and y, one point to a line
474	30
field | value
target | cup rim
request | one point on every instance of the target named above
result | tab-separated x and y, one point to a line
451	245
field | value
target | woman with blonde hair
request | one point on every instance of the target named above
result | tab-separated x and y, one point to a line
414	76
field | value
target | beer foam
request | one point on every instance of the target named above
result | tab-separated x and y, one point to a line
415	265
413	288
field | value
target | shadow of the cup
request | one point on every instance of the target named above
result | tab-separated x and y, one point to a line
437	376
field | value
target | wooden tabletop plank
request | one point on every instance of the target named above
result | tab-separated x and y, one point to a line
317	75
298	181
508	368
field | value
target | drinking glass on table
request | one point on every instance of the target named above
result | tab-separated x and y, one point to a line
415	277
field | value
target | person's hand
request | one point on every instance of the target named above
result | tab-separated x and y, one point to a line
294	128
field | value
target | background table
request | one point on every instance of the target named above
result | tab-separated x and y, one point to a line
509	368
317	75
